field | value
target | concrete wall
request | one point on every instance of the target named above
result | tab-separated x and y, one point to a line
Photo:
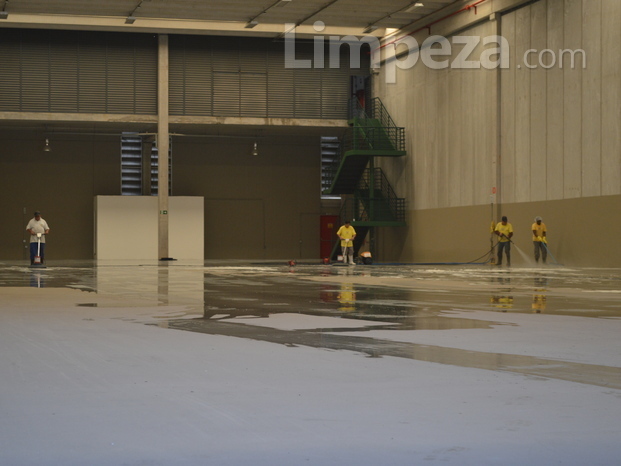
263	207
561	127
61	184
256	207
582	232
548	141
450	129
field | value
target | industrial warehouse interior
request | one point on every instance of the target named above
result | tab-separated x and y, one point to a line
175	177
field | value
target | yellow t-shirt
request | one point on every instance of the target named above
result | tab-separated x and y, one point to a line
346	232
504	230
540	229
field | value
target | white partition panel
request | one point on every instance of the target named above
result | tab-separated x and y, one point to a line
126	227
186	228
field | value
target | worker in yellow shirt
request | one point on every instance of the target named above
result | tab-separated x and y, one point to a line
505	231
347	234
539	239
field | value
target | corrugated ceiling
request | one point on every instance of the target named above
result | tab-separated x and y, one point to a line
211	17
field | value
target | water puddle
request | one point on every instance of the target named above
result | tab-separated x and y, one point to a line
599	375
348	308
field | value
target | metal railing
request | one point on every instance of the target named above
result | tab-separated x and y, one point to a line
373	210
356	110
373	109
383	199
380	183
367	138
373	130
378	205
386	138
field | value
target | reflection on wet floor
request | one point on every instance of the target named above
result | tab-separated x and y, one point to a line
503	298
540	287
222	300
592	374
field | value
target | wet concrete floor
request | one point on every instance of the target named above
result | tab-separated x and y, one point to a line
341	308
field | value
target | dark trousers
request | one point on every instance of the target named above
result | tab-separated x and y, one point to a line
506	245
33	251
540	247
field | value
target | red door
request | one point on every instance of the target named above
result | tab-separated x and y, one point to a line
328	229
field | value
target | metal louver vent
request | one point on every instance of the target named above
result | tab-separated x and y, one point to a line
139	177
78	72
240	77
330	147
131	165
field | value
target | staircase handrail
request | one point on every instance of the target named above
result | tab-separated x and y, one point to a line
373	133
356	110
378	111
374	109
386	193
372	137
384	186
359	209
353	210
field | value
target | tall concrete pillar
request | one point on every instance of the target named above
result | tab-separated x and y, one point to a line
163	136
496	195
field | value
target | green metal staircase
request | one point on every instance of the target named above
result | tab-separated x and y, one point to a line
374	202
371	201
372	133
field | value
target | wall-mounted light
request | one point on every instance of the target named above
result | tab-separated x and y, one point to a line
130	20
413	7
4	14
251	24
255	149
47	147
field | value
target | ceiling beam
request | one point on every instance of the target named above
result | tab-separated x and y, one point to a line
167	26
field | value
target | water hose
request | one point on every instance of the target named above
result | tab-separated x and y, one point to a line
548	250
